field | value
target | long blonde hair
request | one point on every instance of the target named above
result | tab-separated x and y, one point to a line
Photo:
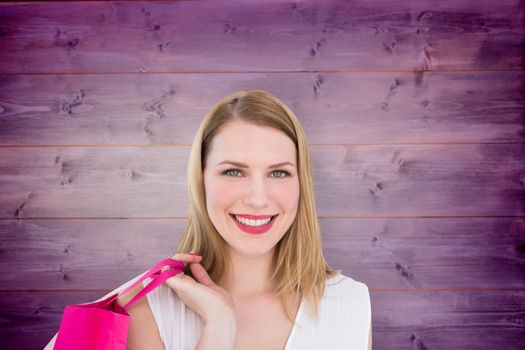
298	262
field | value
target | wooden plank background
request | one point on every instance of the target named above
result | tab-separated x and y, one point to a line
414	111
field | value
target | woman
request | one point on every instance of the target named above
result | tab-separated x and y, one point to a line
258	262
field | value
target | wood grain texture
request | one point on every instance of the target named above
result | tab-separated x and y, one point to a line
334	108
441	253
256	36
449	320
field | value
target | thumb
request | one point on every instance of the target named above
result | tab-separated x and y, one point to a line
180	282
201	275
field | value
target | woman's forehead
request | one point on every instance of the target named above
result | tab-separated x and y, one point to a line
251	136
240	141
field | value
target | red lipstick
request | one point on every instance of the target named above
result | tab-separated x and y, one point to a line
255	217
254	230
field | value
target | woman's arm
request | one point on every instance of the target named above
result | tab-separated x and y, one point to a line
143	332
213	304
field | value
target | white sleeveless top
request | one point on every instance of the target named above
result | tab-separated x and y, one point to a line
344	318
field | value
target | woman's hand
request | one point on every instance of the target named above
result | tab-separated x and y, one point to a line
213	303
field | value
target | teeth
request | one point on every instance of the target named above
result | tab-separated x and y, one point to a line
251	222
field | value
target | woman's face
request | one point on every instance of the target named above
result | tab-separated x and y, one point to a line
251	186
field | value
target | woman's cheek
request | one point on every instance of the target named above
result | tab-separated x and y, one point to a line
223	193
288	195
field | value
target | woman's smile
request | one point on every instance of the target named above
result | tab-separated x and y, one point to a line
254	224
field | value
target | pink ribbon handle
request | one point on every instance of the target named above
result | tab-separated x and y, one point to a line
175	267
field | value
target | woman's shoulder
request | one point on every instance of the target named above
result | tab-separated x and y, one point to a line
345	312
347	287
348	299
341	281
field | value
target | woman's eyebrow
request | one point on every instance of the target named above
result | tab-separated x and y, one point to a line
242	165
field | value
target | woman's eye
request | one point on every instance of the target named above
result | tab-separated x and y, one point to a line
276	173
229	171
282	172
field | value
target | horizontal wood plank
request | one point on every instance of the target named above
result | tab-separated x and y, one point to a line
334	108
82	254
85	181
400	320
350	181
448	319
87	37
103	254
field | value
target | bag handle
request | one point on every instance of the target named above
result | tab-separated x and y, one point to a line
175	267
157	281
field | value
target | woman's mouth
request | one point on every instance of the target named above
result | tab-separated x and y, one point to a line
253	226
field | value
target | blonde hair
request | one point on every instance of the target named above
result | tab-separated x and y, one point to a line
299	264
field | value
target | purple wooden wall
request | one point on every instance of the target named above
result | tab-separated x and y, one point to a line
414	111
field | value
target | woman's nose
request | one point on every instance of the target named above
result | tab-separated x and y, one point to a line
257	195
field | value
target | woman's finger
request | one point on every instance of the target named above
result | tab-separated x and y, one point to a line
187	257
181	282
201	275
184	258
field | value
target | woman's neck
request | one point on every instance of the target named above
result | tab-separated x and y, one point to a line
250	276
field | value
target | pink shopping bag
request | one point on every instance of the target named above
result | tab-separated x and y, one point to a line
103	325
